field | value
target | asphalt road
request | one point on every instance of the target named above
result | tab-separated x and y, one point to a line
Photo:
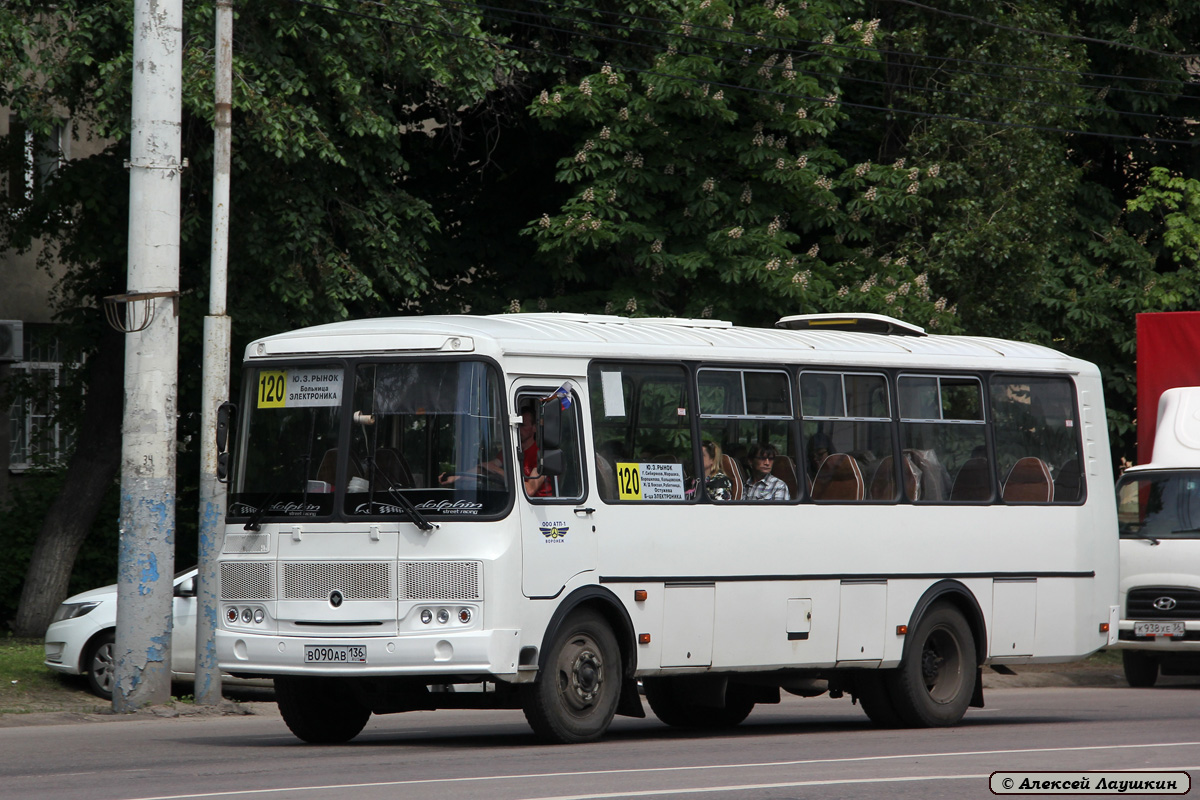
815	748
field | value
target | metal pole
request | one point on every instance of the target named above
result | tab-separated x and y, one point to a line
216	373
147	545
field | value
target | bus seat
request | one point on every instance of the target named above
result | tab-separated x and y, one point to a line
394	467
1068	483
973	483
606	478
730	467
784	468
1029	482
838	478
883	482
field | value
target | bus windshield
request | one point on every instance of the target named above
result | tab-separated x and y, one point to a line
427	435
1159	505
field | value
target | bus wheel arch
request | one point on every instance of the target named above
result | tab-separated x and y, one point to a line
957	594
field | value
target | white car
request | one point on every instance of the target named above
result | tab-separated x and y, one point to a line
80	639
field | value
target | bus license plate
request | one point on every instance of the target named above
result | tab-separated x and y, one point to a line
1158	629
335	654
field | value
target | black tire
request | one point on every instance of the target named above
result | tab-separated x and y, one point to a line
575	695
871	690
670	701
936	679
320	710
100	664
1141	669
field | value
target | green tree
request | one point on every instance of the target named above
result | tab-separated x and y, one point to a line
328	110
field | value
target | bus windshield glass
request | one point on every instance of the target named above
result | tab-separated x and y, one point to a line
426	435
1159	505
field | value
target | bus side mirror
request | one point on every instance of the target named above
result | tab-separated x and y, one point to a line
550	424
550	454
226	413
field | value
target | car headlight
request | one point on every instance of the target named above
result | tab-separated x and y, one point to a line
73	610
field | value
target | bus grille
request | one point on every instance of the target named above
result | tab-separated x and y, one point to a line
247	580
439	580
1140	604
371	580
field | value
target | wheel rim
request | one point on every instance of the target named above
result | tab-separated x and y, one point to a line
580	675
102	666
942	665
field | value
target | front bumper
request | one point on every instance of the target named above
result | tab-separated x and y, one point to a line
1188	643
482	653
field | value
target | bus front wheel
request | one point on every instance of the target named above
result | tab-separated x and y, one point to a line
1141	669
320	710
575	696
935	681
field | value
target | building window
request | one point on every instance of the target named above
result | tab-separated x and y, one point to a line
39	157
35	435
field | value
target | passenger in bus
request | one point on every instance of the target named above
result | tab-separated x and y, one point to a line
536	485
717	485
763	485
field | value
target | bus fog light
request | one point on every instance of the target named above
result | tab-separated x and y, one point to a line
426	616
247	615
259	615
443	616
231	614
464	615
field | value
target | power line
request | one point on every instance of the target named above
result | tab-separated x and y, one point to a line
816	74
1070	36
695	26
737	87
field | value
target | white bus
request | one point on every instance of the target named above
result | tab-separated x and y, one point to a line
1159	515
935	505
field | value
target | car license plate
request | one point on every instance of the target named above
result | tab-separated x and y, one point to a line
335	654
1158	629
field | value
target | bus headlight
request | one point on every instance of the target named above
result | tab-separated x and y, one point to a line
443	616
426	616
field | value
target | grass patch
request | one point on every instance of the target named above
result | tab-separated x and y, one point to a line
28	686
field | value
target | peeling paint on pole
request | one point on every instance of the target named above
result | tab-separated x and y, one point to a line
145	585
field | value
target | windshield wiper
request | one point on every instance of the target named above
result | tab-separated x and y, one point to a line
253	524
1138	533
417	517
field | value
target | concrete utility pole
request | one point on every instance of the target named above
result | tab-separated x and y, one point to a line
147	551
216	373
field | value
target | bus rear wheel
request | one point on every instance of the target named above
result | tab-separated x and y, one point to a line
575	696
1141	669
935	681
673	704
320	710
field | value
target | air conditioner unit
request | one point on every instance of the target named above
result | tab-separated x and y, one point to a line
12	346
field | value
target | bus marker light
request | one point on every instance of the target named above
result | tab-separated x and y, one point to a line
1104	627
639	595
901	630
643	638
231	614
464	615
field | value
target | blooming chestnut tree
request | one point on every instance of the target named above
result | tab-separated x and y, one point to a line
720	175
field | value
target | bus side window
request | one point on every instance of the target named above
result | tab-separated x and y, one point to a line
1036	418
